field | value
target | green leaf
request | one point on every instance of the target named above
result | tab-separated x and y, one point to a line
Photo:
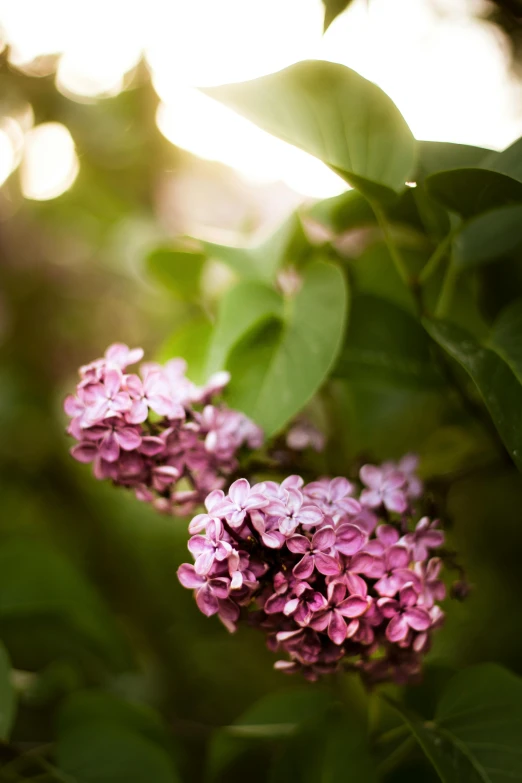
41	591
509	161
491	368
243	308
374	273
178	270
275	718
191	342
344	212
435	156
488	236
278	369
332	9
334	114
262	262
470	191
7	695
102	739
475	736
280	714
385	346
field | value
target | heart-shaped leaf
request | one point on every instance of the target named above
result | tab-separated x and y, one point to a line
276	370
334	114
242	309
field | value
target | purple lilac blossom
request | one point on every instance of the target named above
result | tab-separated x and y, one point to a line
334	573
159	434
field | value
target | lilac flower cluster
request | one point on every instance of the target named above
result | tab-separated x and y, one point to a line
333	572
156	432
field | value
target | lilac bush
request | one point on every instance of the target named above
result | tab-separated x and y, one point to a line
156	432
334	573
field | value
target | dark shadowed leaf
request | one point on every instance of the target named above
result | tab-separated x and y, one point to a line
509	161
278	369
488	236
38	584
385	346
475	735
276	717
342	213
470	191
334	114
242	309
178	270
102	739
491	368
7	695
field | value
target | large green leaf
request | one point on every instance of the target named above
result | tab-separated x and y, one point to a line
261	262
385	346
102	739
334	114
435	156
7	695
178	270
475	735
242	308
488	236
278	369
491	366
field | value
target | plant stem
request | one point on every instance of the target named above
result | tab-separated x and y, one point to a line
447	291
436	257
398	260
401	752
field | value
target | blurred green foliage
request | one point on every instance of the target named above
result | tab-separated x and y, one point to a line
401	334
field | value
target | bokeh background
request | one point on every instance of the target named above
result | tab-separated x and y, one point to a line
108	149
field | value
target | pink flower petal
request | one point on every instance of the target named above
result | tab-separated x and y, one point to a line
207	601
304	567
417	618
188	577
324	538
337	628
298	544
326	564
397	629
354	606
239	491
371	476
